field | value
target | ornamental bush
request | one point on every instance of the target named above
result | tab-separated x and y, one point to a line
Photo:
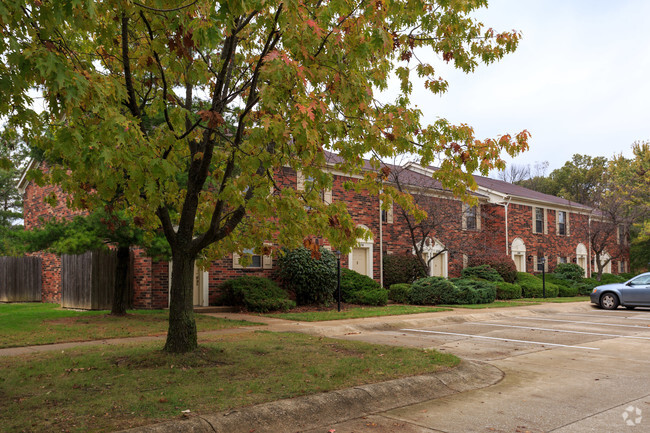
361	289
560	280
255	293
569	271
483	272
312	280
501	263
567	291
399	293
473	291
432	291
611	278
508	290
531	286
586	285
402	268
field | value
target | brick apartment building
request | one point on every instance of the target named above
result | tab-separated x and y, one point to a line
508	219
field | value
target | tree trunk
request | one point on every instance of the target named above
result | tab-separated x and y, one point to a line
181	337
121	290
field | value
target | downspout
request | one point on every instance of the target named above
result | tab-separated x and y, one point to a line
589	247
505	206
381	244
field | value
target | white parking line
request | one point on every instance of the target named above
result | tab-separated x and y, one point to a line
560	330
620	316
586	322
501	339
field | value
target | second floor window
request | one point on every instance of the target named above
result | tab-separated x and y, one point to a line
471	218
539	220
561	226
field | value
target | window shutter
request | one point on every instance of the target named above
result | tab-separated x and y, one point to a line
534	263
557	222
545	221
546	264
327	196
567	230
235	261
558	260
300	181
465	260
464	217
534	219
267	262
478	217
389	214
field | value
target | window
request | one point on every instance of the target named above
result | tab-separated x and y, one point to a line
622	238
562	260
561	223
324	194
541	264
539	220
256	262
387	215
471	218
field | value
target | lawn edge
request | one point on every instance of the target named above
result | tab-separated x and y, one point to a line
326	409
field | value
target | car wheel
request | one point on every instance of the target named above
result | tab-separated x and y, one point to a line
629	307
609	301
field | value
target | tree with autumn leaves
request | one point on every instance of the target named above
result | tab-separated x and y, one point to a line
186	116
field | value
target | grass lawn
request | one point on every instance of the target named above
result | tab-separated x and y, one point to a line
356	313
521	302
36	323
103	388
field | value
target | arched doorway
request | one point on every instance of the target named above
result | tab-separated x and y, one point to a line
437	258
518	250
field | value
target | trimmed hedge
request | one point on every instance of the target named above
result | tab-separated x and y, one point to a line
569	271
531	286
439	290
432	291
627	275
611	278
402	268
508	290
559	280
483	272
399	293
312	280
498	261
567	291
361	289
473	291
257	294
586	285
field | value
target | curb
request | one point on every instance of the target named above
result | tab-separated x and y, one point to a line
309	412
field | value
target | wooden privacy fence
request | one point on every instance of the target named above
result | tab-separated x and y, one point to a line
87	280
20	279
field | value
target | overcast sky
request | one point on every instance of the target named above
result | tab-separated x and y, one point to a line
579	81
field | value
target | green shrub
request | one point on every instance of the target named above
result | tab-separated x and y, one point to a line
402	268
531	286
567	291
369	297
508	290
484	272
627	275
559	280
399	293
569	271
498	261
586	285
256	294
432	291
473	291
611	278
312	280
361	289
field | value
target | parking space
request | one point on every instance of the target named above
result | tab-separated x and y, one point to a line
506	337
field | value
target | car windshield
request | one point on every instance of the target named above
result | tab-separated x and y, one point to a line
641	280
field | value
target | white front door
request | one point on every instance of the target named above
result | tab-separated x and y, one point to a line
437	266
359	261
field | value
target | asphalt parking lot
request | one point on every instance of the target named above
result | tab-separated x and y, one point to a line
567	369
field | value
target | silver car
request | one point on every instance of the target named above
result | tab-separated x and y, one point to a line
632	293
